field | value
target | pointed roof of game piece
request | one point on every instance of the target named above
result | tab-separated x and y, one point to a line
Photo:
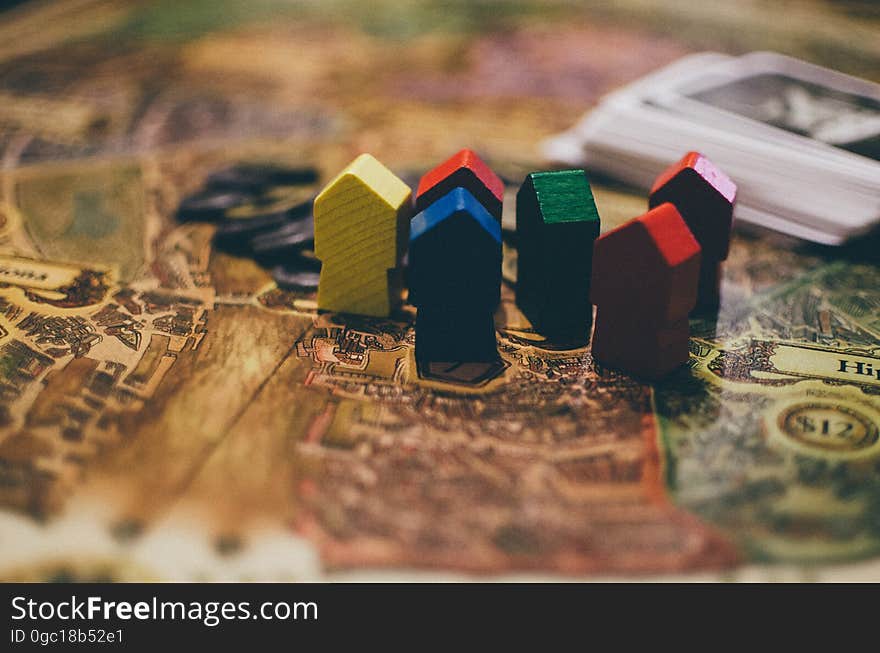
365	199
703	167
378	180
455	254
360	221
704	196
647	268
463	159
467	170
458	200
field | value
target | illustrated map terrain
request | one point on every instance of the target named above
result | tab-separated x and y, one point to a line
169	412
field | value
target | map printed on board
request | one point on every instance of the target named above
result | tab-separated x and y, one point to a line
168	412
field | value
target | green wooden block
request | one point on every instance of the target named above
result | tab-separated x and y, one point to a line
556	223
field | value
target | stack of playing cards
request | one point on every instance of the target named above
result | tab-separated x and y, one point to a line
801	142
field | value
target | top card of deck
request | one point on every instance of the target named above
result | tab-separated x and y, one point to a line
777	92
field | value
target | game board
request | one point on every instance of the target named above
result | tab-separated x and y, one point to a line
168	412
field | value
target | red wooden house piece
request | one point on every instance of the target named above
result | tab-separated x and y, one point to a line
466	170
645	277
705	197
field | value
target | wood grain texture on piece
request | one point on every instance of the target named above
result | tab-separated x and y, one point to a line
705	198
466	170
557	224
645	276
361	222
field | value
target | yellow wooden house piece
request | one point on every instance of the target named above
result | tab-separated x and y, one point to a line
361	232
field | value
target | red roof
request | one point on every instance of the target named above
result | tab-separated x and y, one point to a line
703	167
647	268
687	161
463	159
670	233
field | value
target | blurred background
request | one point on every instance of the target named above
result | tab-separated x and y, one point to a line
407	80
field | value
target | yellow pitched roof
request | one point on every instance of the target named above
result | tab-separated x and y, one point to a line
384	184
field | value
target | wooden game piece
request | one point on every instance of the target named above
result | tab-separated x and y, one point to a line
455	335
647	267
466	170
645	278
455	279
455	253
361	222
556	224
705	198
647	351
